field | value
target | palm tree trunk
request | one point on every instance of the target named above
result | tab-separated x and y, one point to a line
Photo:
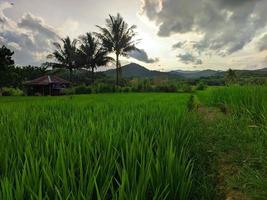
92	75
117	69
70	75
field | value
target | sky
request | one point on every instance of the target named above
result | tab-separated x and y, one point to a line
174	34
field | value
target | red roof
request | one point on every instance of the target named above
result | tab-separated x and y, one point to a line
46	80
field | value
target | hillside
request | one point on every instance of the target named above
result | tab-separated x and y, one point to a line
135	70
197	73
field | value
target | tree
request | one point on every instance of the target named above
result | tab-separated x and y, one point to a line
92	54
231	76
6	63
65	55
118	37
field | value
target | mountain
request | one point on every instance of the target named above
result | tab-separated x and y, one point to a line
252	73
135	70
197	73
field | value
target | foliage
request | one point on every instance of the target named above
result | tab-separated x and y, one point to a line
141	145
7	91
186	88
96	147
5	57
91	54
118	37
6	62
245	100
65	55
201	86
83	89
231	77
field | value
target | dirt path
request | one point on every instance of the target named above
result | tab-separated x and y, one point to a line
226	168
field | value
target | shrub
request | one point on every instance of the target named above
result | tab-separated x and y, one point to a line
104	88
187	88
68	91
201	86
8	91
165	88
83	89
126	89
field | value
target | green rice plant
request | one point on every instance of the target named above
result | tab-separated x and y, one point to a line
119	146
243	100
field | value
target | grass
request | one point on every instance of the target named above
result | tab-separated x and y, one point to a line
130	146
237	142
133	146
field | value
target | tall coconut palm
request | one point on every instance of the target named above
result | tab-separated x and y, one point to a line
92	54
65	55
118	37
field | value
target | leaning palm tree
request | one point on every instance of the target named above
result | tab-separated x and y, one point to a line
118	37
92	54
65	55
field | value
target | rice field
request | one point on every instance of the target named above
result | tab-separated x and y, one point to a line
132	146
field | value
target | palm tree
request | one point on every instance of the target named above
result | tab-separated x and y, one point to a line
65	55
92	54
118	37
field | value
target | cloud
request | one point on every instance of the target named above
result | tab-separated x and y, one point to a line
179	45
262	44
29	37
188	58
3	6
225	26
141	55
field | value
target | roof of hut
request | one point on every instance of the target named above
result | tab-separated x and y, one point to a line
46	80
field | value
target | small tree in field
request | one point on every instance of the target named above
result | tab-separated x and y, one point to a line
231	77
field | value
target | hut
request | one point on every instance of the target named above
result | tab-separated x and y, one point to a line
46	85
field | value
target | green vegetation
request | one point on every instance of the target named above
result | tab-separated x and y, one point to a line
88	147
135	146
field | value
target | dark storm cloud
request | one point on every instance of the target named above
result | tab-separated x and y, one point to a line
227	26
141	55
188	58
30	38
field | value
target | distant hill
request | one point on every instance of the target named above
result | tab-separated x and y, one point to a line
257	72
135	70
197	73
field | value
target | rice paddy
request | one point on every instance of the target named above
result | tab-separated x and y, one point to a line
133	146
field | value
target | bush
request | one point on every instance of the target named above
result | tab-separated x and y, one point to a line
201	86
126	89
104	88
165	88
187	88
68	91
8	91
83	89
